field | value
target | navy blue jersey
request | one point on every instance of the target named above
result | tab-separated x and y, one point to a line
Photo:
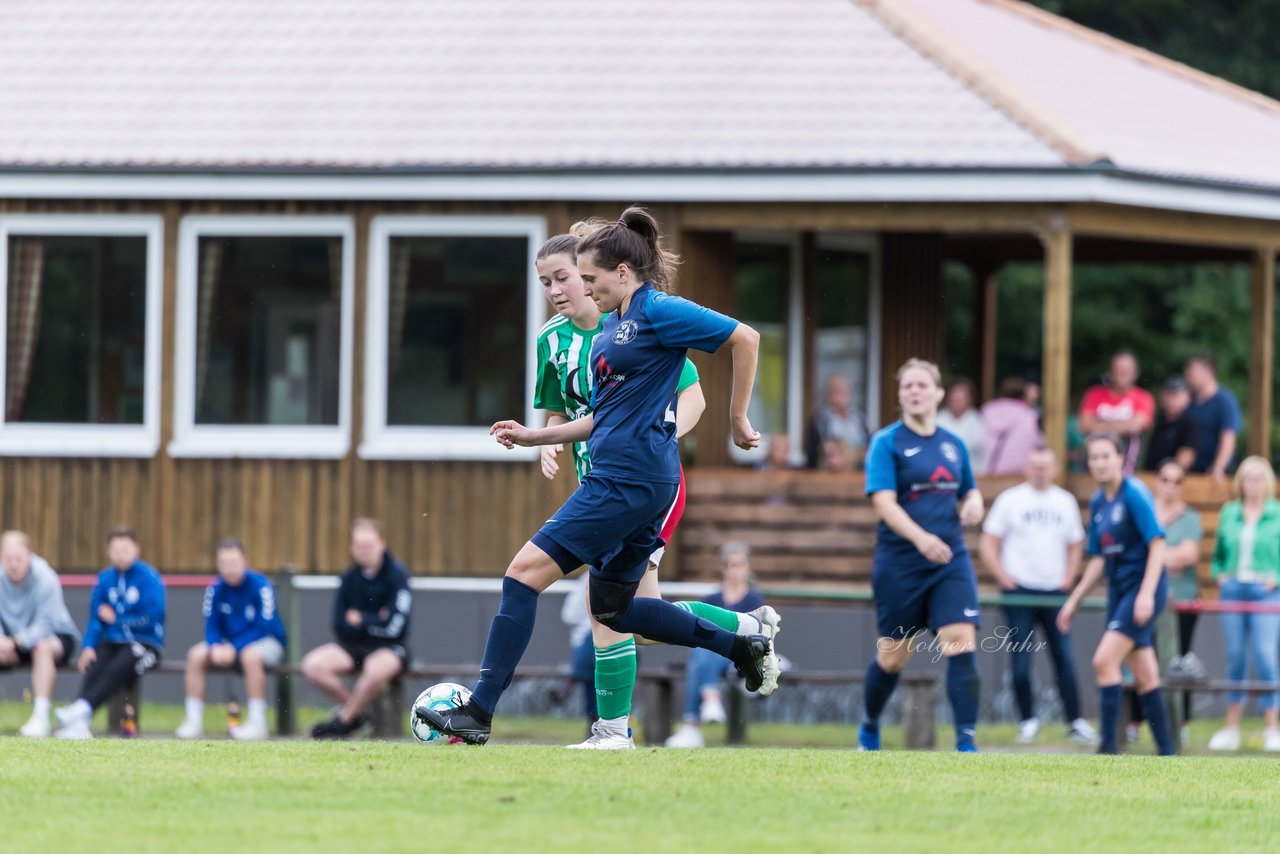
383	600
929	474
242	614
637	360
1120	530
137	597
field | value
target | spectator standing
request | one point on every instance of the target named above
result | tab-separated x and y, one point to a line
1174	436
1010	429
959	415
1182	539
705	669
370	624
35	626
242	630
1246	564
836	418
1120	407
1032	541
125	635
1216	414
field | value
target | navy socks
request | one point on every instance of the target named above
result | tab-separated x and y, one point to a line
1154	711
665	623
509	635
877	688
962	691
1109	697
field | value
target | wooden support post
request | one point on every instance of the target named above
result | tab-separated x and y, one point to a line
287	607
1262	312
1056	359
986	315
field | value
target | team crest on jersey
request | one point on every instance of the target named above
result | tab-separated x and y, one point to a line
1117	513
626	332
951	452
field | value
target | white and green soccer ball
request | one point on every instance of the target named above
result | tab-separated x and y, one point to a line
445	695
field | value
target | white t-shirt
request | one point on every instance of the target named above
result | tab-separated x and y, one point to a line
1035	528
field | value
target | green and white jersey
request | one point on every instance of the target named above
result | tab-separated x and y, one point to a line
565	377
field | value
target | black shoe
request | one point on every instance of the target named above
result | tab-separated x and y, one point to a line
335	728
1103	750
465	722
751	660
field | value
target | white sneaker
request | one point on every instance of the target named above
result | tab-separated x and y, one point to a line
1082	732
1271	740
1227	738
605	739
687	736
68	715
190	729
77	730
249	731
712	711
1028	730
770	625
36	727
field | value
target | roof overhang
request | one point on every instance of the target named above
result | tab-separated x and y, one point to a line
657	185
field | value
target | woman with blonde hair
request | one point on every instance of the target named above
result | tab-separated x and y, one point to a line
1246	565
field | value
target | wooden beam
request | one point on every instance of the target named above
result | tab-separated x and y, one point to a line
1056	359
1171	226
1262	305
948	217
986	315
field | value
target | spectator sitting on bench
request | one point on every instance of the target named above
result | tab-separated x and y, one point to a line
242	629
706	669
35	627
125	636
370	623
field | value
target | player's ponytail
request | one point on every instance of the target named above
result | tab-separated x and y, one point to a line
633	240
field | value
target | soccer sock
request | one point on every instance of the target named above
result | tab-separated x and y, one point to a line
40	708
615	680
509	635
195	709
962	691
1154	711
725	619
1109	698
665	623
258	712
876	689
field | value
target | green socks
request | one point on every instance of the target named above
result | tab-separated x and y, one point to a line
727	620
615	679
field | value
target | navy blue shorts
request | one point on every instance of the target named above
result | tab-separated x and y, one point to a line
910	599
610	525
1120	613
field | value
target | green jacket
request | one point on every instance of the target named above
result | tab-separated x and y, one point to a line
1266	550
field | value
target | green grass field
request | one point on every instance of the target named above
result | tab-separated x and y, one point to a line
163	795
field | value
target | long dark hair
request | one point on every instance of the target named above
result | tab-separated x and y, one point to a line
633	240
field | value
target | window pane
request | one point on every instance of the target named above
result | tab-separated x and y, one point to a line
841	345
762	288
267	330
76	330
456	330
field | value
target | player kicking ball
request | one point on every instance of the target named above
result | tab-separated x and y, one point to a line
613	521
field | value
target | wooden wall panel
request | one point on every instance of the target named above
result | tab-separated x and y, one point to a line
707	278
912	308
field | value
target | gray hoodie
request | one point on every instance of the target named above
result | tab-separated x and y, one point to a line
35	608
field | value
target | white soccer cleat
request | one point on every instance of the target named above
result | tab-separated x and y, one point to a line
1082	732
75	731
770	625
1271	740
190	728
1028	731
1227	738
688	736
605	739
250	731
36	727
713	711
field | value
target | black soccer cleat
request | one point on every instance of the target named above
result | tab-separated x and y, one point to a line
335	728
462	722
753	662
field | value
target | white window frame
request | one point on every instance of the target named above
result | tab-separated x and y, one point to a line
870	244
263	441
392	442
21	439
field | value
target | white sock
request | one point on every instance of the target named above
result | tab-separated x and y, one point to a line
195	709
749	625
40	709
616	726
258	712
81	709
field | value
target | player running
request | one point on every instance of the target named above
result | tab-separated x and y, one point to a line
613	520
921	483
1126	541
563	391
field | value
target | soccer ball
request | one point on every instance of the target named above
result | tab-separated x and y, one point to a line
446	695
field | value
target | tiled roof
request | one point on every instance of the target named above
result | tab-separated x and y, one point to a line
582	84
